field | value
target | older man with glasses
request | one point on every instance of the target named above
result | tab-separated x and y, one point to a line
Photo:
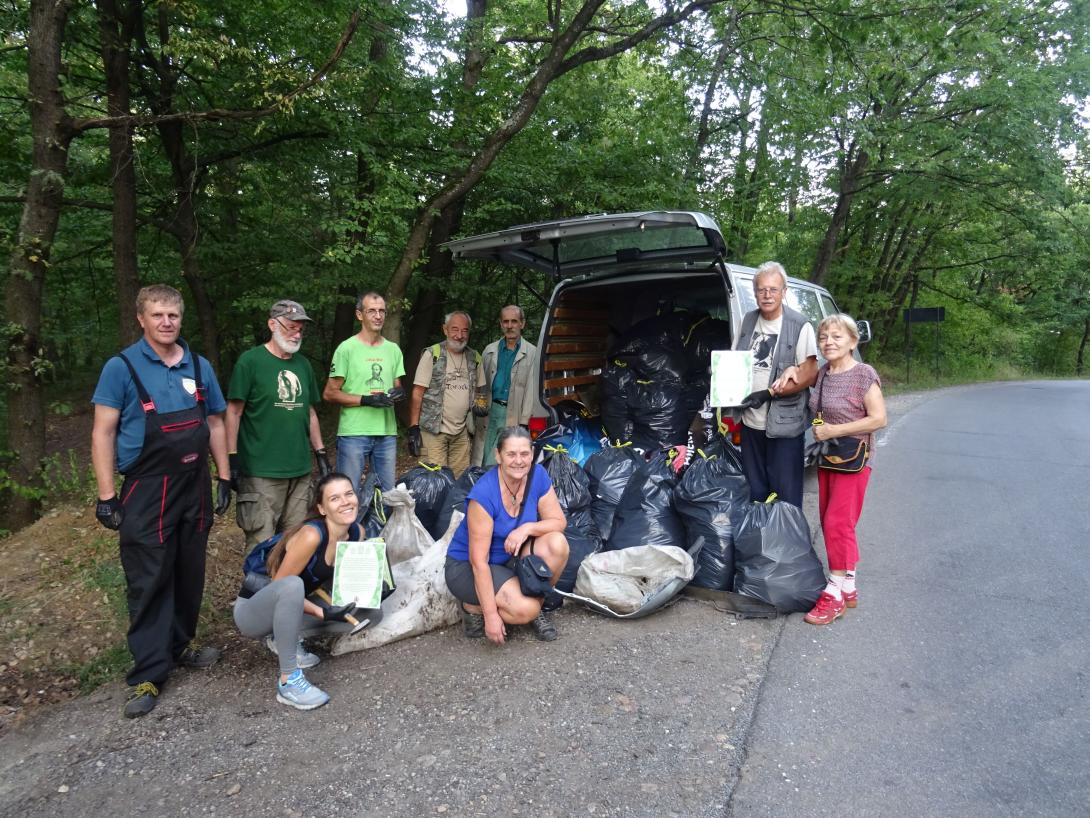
365	381
775	417
272	428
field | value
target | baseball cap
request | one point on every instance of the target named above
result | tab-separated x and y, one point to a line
292	310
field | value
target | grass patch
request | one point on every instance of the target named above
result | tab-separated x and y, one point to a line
109	577
105	667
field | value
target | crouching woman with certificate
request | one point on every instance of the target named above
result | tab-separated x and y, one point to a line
299	563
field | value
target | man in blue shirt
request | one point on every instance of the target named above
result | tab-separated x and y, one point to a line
510	371
158	414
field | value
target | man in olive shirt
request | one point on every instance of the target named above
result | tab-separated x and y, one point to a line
448	390
272	427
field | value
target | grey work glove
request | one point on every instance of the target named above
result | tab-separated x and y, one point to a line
396	394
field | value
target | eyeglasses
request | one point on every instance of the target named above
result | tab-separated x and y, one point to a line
769	291
373	311
300	330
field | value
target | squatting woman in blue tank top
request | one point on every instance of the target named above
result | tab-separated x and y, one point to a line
511	507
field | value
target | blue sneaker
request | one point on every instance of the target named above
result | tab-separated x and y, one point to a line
303	657
297	692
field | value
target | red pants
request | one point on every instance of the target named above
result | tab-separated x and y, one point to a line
840	501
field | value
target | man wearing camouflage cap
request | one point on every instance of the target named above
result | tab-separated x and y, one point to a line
272	428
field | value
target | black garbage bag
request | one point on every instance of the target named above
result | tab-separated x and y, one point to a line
581	544
615	384
569	481
705	335
659	414
645	514
608	472
655	347
456	497
773	558
711	498
373	513
430	484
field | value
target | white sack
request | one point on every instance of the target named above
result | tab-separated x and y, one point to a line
623	580
404	534
421	602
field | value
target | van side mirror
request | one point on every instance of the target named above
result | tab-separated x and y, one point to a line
864	331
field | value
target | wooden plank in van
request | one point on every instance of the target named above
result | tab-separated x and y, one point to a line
579	330
561	363
577	380
580	313
576	347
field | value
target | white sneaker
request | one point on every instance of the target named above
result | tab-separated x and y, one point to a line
303	657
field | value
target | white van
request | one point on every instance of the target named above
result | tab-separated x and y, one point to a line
612	271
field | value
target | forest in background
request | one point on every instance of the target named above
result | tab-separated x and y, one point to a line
902	154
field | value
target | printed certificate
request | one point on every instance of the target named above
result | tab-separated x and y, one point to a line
359	571
732	376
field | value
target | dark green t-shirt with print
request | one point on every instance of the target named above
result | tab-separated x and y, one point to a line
274	435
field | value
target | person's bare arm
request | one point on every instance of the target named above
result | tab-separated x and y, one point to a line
795	378
874	403
415	401
316	442
233	420
217	443
103	451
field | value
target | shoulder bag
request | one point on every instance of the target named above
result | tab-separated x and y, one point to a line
845	454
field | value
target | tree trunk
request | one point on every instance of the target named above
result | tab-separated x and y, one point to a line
854	165
52	135
186	230
116	29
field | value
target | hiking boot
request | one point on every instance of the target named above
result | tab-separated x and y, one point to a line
472	625
827	609
544	629
142	700
198	657
297	692
851	599
303	657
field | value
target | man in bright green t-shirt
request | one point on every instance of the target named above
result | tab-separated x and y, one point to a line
272	428
365	381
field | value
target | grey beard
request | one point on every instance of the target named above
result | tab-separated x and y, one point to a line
456	346
286	345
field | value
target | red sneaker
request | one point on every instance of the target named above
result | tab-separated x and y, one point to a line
851	599
826	610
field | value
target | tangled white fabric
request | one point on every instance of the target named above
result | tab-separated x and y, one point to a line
421	602
624	580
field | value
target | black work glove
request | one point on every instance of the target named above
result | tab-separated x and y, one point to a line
223	495
340	614
236	470
480	407
110	513
379	400
416	441
397	394
322	459
755	399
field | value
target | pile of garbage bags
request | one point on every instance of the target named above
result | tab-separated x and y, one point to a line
657	378
638	527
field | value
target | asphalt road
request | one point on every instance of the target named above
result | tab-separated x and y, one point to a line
958	687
